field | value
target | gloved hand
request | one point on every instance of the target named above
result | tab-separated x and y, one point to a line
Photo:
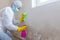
22	28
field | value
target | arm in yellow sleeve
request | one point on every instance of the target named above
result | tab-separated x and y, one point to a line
22	28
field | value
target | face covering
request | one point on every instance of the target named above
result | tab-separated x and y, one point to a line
16	10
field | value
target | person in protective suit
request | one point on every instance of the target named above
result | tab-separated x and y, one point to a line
8	22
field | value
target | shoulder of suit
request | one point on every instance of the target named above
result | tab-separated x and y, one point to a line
8	8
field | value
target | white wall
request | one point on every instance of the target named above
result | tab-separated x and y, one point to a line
44	17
